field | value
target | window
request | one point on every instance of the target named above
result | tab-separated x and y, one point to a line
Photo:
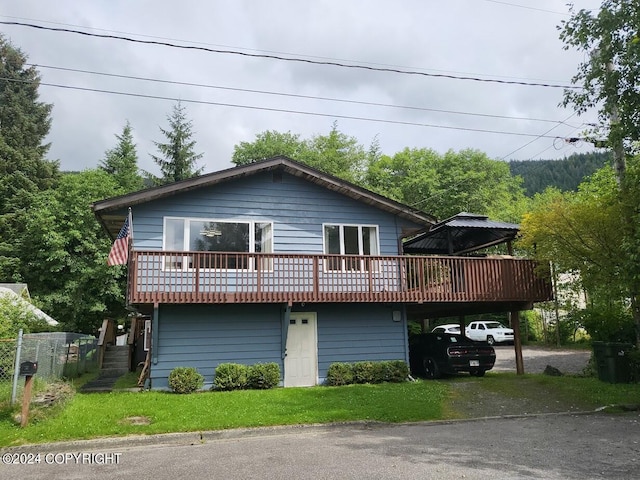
197	235
350	240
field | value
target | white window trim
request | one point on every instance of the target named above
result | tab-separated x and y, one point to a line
360	246
186	236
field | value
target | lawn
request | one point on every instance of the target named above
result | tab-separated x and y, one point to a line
113	414
99	415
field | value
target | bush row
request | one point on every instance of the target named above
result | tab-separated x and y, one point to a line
235	376
367	372
228	376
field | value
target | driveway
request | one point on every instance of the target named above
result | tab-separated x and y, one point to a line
568	361
566	447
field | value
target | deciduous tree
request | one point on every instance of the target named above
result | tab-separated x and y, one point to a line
609	80
64	261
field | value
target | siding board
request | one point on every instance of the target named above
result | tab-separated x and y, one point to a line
296	207
205	336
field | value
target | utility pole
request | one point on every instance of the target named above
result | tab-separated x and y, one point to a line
619	161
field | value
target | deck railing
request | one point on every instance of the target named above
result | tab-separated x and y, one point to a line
212	277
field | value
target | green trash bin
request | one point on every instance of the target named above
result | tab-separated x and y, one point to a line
612	361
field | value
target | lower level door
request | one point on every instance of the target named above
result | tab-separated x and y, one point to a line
301	361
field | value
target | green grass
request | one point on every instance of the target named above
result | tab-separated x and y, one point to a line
587	393
100	415
129	380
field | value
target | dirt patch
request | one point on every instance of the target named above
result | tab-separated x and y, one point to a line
141	420
471	399
474	398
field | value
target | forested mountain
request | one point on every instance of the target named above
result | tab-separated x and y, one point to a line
565	174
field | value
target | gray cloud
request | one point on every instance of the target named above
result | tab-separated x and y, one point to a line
461	37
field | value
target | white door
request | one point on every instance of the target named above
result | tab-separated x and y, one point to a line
301	360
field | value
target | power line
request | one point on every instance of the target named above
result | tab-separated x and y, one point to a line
294	59
293	95
279	110
527	7
261	50
541	136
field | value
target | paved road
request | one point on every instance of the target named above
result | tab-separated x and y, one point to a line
537	358
594	446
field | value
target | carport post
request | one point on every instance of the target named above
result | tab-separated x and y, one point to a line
517	344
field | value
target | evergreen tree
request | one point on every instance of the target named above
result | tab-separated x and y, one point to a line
24	170
178	160
122	162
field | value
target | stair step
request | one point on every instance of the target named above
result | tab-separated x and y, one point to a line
113	372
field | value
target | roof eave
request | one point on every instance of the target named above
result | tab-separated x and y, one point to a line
289	166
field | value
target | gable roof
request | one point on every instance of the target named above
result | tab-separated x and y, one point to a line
26	305
462	233
109	211
20	289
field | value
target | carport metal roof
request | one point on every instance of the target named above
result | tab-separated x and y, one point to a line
460	234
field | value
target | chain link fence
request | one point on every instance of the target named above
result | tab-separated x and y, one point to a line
58	355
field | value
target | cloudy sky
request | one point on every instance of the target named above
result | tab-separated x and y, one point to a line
231	98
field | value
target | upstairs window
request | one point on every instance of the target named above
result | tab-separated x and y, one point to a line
350	240
198	235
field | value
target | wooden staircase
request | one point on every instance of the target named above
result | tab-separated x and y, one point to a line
115	363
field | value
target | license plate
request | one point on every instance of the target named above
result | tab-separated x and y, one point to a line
474	363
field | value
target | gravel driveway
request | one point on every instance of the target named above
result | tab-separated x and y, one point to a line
537	358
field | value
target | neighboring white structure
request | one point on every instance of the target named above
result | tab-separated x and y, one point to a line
570	291
18	299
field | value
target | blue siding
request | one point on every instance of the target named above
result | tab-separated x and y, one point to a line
205	336
357	332
297	208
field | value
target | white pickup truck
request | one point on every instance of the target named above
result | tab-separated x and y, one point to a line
489	331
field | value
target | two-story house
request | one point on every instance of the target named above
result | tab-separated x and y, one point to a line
278	262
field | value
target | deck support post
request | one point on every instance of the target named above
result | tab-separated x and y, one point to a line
154	334
286	314
517	343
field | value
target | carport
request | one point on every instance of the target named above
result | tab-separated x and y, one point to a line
465	234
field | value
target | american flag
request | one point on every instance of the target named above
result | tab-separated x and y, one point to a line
120	250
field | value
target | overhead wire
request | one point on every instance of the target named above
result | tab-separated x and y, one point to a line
527	7
280	110
294	59
195	42
293	95
543	135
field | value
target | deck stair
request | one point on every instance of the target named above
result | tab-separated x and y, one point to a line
114	365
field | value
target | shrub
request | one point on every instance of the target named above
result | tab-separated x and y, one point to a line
394	371
339	374
263	375
185	380
231	376
365	372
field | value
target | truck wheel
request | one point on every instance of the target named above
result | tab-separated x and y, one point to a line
490	340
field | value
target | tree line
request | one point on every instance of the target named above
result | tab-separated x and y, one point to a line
564	174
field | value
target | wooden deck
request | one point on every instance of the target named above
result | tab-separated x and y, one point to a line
209	277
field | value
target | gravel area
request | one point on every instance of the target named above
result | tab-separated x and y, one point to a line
536	359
